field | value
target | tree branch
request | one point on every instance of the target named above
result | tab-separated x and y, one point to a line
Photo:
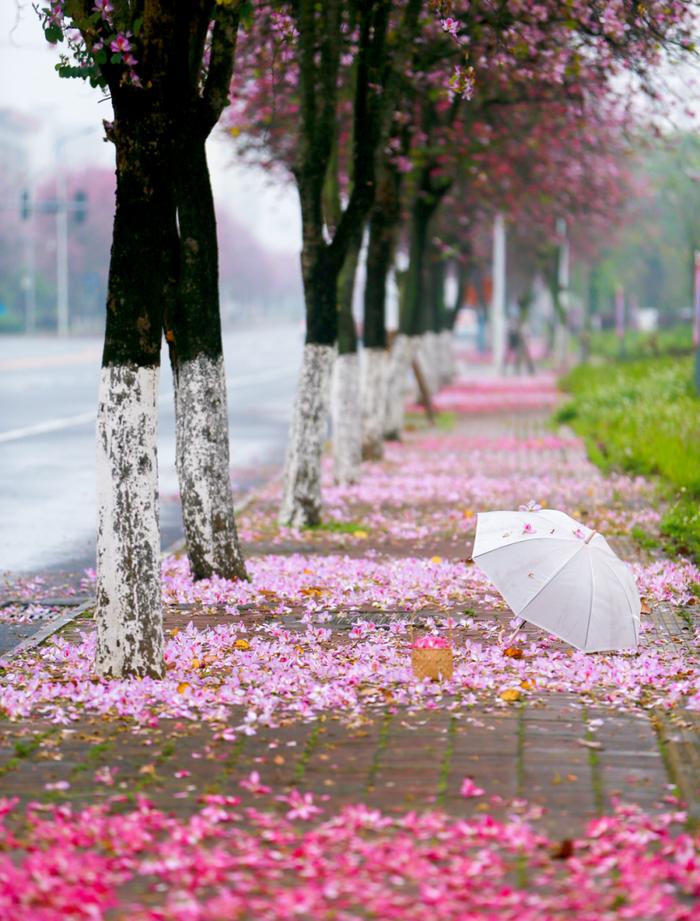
221	63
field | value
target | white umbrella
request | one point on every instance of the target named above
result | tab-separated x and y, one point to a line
560	575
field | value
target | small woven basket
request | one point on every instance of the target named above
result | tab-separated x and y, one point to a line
435	664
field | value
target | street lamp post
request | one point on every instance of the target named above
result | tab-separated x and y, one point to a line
561	349
696	320
62	293
62	310
498	300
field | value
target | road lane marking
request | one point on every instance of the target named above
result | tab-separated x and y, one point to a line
53	425
66	422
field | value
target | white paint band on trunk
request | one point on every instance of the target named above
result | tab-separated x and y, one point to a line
301	492
447	360
129	614
402	354
374	379
429	361
346	419
202	460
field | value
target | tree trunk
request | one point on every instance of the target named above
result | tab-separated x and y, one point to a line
402	354
450	320
320	41
411	319
375	362
202	437
345	390
346	419
428	357
301	493
141	278
441	347
447	361
374	370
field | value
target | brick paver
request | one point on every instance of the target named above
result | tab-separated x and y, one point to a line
561	760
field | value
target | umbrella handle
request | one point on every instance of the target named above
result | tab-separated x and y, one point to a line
517	630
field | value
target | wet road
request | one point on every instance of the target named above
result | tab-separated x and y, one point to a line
48	394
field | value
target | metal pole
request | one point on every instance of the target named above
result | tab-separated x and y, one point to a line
620	318
62	316
696	321
62	301
30	286
498	298
563	279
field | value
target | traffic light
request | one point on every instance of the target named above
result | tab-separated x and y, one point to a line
79	206
25	208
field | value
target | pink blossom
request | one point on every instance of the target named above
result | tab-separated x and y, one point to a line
253	785
450	25
121	44
430	642
302	805
531	506
104	8
469	789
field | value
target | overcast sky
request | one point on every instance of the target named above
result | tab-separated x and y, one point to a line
30	85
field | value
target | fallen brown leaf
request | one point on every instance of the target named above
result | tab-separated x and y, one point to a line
563	850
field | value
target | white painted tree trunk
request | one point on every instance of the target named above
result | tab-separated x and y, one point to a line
428	361
346	419
447	360
301	493
129	615
402	354
374	374
202	460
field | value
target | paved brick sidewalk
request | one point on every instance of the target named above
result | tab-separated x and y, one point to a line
557	758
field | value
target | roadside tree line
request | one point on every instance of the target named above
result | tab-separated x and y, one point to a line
405	124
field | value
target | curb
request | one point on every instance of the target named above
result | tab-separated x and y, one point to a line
36	639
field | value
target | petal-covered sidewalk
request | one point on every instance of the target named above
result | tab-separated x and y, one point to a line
290	765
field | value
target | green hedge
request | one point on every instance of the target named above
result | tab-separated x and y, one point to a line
644	417
675	341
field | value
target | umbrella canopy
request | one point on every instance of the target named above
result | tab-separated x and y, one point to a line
560	575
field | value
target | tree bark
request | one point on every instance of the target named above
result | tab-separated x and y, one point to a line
346	419
202	437
301	492
412	320
374	370
375	362
345	391
141	276
319	27
403	352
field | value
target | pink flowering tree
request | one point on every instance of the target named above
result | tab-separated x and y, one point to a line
519	53
317	104
544	163
167	68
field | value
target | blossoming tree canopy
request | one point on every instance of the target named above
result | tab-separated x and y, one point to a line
156	60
